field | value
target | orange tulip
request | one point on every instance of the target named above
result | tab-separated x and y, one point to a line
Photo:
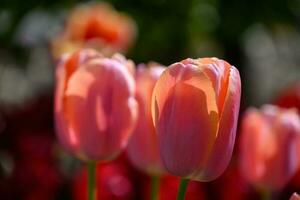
269	147
295	196
95	25
142	148
95	108
195	106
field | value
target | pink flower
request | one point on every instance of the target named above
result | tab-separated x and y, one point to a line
270	146
195	108
143	146
95	108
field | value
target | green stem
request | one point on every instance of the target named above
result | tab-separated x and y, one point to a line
265	194
182	189
154	187
91	166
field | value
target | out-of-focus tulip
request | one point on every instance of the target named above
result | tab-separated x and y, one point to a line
289	98
168	188
142	148
195	106
270	146
95	25
113	183
295	196
95	108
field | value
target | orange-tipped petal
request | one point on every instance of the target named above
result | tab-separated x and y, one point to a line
218	72
221	153
186	117
67	66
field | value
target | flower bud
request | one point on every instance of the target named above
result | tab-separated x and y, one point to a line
195	106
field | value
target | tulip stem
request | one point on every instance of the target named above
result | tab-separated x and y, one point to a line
91	166
265	194
182	189
154	187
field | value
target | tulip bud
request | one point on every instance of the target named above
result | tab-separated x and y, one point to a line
270	146
95	108
97	26
195	106
142	148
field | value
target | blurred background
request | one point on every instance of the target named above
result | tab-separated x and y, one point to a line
260	38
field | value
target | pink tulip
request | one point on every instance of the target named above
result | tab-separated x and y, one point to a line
195	106
270	146
143	146
95	108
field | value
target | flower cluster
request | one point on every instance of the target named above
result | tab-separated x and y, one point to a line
146	131
178	120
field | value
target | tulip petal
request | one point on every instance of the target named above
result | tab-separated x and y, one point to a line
64	71
186	117
97	107
285	161
143	145
273	134
218	71
257	136
221	153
